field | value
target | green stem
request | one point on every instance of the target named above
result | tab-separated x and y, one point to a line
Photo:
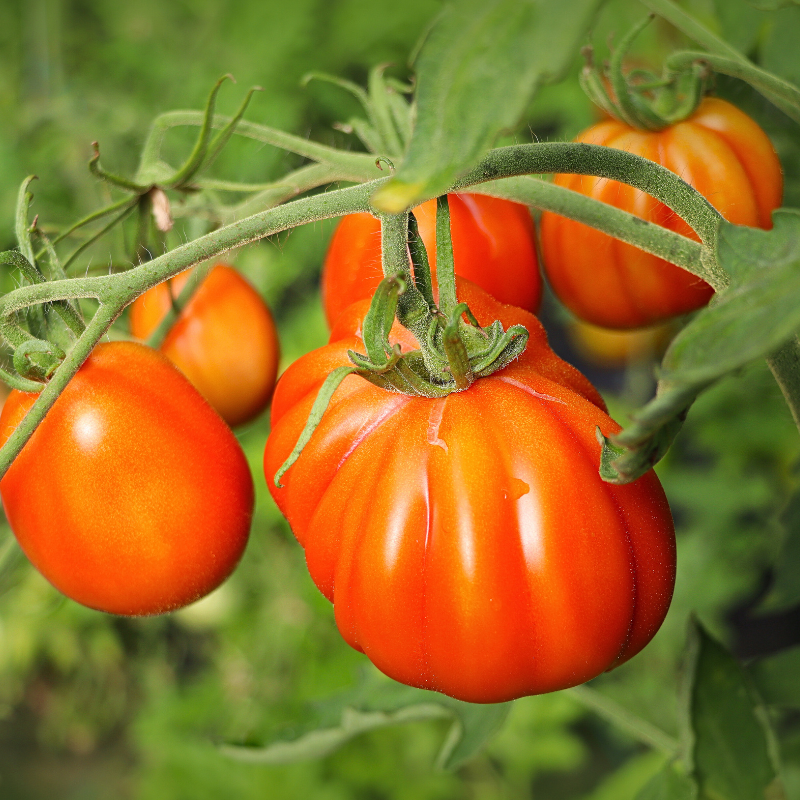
779	92
605	162
357	166
197	277
445	267
618	715
620	224
94	330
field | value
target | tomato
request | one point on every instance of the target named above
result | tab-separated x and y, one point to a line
224	340
721	152
493	246
132	496
468	543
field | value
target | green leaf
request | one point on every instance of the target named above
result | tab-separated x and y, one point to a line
476	73
775	678
752	317
669	784
378	703
728	737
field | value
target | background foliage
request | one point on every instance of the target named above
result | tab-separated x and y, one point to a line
93	706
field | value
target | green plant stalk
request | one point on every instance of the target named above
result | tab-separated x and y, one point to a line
779	92
620	224
357	166
114	292
773	90
180	302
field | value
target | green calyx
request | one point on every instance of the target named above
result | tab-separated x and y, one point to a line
640	98
454	350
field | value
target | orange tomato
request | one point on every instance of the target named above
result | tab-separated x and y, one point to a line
493	246
467	543
132	496
721	152
224	340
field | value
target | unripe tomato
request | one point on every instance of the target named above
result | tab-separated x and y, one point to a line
468	543
721	152
493	246
132	496
224	341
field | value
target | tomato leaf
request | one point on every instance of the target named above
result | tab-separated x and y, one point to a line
668	784
378	703
752	317
476	73
728	737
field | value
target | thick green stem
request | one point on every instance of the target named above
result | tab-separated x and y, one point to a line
620	224
606	162
99	324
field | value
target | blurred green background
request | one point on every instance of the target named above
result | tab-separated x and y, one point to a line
95	707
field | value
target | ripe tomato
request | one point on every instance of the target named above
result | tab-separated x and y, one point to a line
493	246
132	496
224	341
721	152
468	543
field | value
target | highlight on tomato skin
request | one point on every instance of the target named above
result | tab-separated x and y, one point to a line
132	496
467	543
718	150
494	245
224	341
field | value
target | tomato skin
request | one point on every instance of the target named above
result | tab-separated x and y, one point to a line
132	496
493	245
721	152
224	341
467	543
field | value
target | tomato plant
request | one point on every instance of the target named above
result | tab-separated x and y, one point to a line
467	542
493	244
721	152
133	496
224	340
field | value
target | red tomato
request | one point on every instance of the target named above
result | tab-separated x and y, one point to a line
619	348
721	152
132	496
493	246
224	341
468	543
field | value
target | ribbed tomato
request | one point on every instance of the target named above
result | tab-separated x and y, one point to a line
493	246
132	496
224	341
468	543
721	152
